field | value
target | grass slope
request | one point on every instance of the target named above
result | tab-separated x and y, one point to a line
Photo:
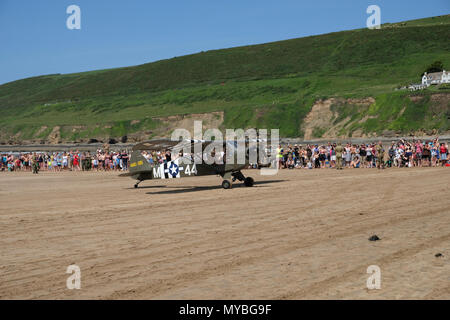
271	85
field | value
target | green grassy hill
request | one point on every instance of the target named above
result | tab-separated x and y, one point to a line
273	85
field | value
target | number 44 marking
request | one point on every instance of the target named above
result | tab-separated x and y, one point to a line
190	171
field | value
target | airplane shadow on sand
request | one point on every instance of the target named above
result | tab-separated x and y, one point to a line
183	189
147	187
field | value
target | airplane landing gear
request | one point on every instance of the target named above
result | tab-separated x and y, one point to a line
226	184
237	175
248	182
137	183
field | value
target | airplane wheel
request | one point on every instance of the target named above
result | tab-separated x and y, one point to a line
226	184
135	185
249	182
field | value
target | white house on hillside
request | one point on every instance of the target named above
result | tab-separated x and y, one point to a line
436	78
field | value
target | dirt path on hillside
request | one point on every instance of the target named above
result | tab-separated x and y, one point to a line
300	234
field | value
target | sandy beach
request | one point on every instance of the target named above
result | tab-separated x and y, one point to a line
301	234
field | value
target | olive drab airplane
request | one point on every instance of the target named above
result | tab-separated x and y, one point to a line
184	166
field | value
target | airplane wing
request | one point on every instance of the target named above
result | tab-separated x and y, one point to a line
166	144
156	144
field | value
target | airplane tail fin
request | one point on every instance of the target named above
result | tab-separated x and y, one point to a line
138	163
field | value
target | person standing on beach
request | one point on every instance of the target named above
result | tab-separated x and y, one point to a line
443	151
124	157
380	155
339	149
35	164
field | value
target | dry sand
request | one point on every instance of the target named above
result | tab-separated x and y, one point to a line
302	234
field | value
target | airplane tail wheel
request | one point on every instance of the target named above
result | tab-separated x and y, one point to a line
249	182
136	185
226	184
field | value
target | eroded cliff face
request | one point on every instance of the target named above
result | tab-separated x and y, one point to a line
325	120
361	118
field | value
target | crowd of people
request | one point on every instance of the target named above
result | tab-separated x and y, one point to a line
402	153
65	161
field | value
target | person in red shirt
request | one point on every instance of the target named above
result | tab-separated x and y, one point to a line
443	153
76	161
18	164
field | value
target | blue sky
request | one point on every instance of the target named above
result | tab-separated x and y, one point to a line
34	39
